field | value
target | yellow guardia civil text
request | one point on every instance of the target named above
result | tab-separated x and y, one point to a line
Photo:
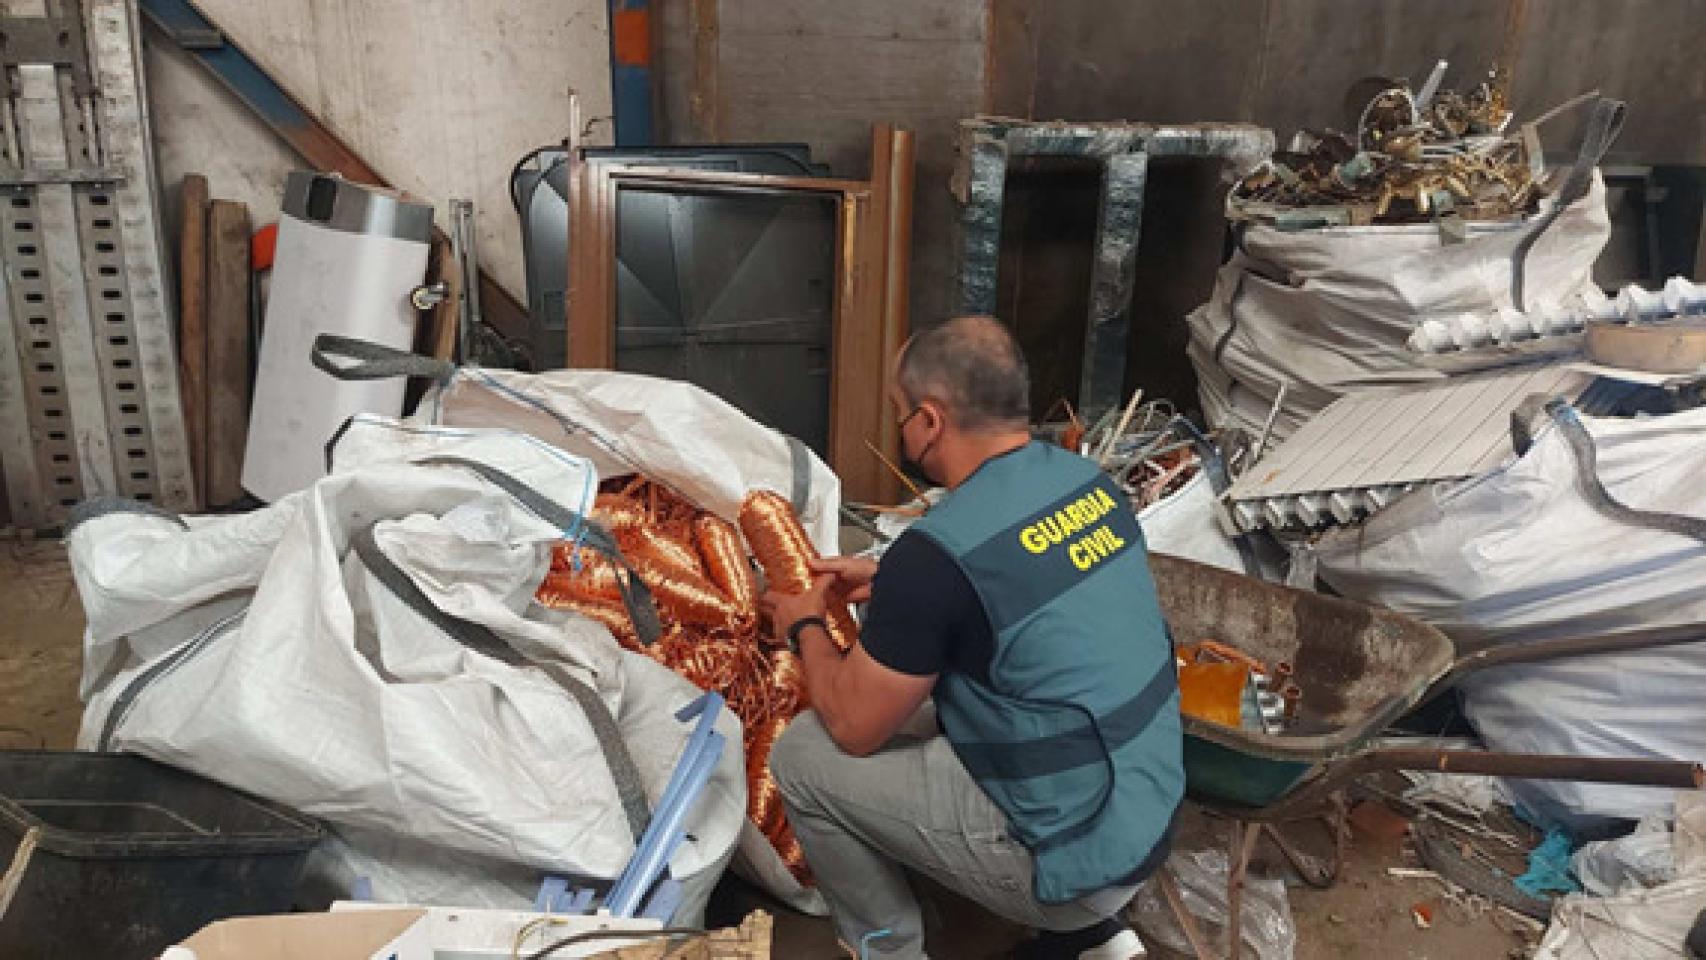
1065	525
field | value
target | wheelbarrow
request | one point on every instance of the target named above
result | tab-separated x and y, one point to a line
1359	669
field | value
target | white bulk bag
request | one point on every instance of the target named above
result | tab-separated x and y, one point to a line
262	651
672	431
1522	553
1329	310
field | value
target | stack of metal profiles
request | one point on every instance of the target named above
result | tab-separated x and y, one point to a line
88	373
1371	447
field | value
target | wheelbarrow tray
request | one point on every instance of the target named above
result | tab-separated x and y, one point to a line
1359	669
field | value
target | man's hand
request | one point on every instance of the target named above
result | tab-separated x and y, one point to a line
786	609
852	576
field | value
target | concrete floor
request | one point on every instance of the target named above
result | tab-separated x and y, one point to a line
1367	914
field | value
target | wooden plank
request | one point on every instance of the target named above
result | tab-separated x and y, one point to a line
192	326
705	98
444	321
893	152
228	280
856	405
592	240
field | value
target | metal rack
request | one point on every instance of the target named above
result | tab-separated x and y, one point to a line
88	373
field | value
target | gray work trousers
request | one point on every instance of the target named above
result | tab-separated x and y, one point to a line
910	805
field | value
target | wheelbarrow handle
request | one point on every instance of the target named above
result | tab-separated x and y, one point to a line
1537	651
1678	774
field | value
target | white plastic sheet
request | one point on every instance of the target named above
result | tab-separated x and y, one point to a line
1265	923
258	650
1520	554
1641	924
1330	310
1186	525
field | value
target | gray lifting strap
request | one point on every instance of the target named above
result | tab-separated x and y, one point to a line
1604	124
636	596
1587	476
351	358
480	639
800	464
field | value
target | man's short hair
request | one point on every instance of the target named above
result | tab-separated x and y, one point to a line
973	367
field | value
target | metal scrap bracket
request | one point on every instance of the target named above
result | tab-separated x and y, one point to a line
986	147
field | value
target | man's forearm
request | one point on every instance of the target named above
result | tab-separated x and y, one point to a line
823	664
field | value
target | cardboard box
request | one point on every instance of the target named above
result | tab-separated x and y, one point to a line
400	934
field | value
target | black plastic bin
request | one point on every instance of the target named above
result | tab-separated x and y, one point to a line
132	855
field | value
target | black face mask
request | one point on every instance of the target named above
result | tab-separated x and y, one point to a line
913	469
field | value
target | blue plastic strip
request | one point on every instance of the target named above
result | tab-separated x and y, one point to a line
664	834
551	891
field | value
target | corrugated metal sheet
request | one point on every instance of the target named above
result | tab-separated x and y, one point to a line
1368	448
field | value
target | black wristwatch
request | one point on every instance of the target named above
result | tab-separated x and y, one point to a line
799	625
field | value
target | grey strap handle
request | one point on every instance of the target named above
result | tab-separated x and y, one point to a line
1587	476
800	464
351	358
1604	124
479	638
636	596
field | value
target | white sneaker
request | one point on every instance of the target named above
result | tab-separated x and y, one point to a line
1121	946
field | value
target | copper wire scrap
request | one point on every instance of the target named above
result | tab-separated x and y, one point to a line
687	597
594	577
618	512
613	617
726	562
706	593
785	553
653	541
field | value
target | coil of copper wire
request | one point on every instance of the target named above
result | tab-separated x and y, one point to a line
785	554
726	562
654	542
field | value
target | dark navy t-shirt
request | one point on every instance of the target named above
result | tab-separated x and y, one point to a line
924	616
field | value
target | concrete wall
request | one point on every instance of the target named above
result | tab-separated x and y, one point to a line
442	98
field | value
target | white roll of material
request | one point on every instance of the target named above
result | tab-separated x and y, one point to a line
348	257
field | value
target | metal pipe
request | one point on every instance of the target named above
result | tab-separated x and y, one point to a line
1677	774
1336	775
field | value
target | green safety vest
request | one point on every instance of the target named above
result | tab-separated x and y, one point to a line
1076	736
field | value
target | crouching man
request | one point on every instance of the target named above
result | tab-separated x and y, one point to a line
1023	604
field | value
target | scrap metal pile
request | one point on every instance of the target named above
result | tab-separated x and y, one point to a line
1411	156
1150	451
697	569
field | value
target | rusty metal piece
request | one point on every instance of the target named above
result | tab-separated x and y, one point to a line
1292	694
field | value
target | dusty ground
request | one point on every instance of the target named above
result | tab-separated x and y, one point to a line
1367	914
41	643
